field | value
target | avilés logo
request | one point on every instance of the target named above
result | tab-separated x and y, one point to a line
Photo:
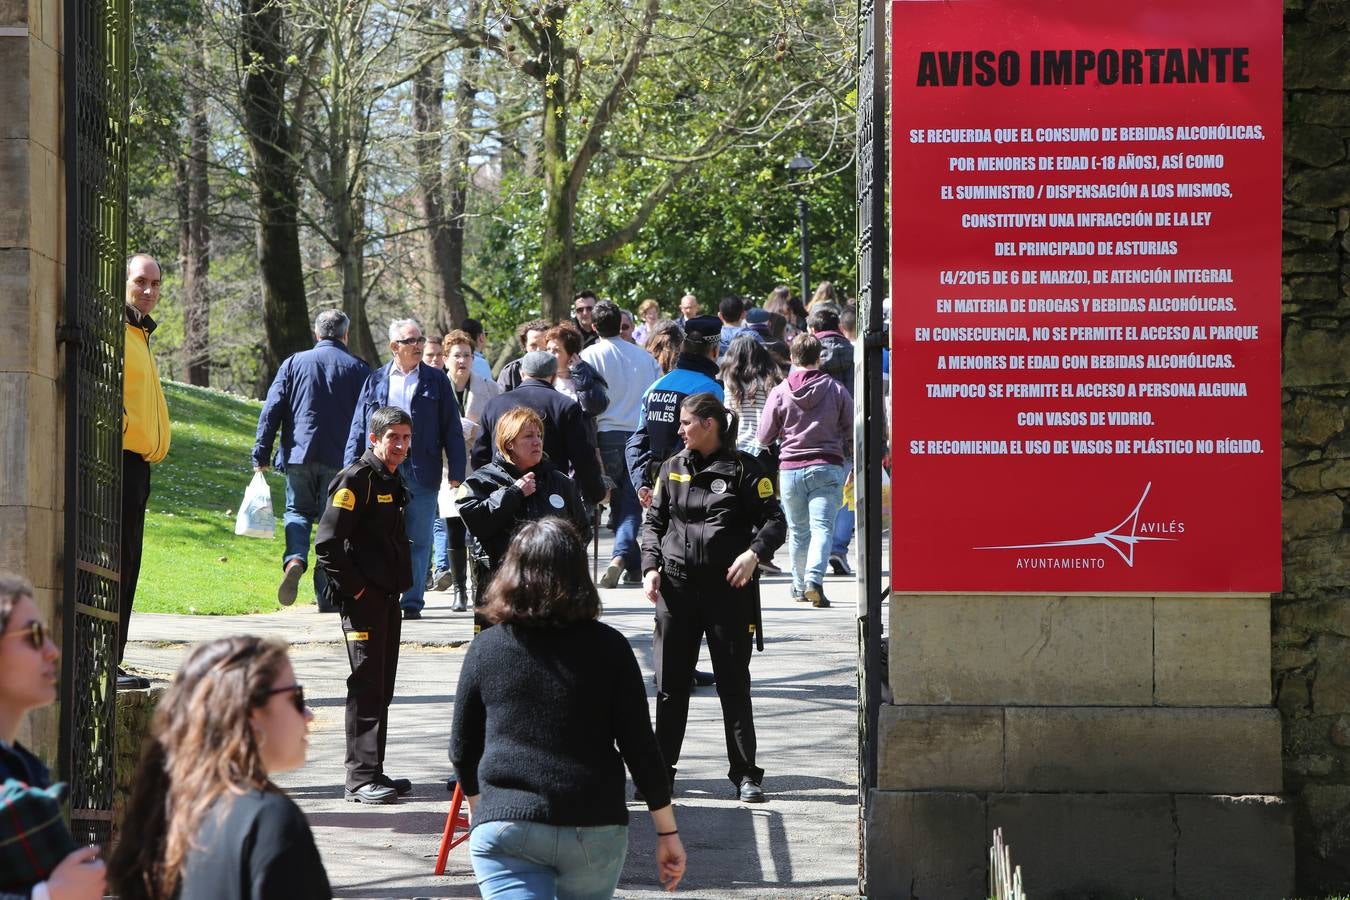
1122	538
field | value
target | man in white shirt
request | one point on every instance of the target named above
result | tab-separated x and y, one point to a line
425	393
629	370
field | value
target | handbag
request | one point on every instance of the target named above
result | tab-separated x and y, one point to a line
34	838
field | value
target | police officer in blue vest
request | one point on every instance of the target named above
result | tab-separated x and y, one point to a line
657	437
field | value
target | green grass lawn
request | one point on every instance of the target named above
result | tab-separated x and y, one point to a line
193	562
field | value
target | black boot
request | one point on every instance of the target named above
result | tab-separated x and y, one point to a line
459	573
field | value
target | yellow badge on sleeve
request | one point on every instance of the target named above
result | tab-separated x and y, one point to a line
765	488
679	476
344	499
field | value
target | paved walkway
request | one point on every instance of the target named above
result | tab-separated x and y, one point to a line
801	844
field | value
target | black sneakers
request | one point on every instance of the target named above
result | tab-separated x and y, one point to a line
373	792
816	595
750	792
128	682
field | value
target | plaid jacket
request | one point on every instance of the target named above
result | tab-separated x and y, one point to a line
33	834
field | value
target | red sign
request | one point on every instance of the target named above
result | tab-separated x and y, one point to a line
1085	291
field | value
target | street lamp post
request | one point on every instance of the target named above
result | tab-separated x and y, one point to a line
798	166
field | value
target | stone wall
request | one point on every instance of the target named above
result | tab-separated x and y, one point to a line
31	277
135	710
1311	619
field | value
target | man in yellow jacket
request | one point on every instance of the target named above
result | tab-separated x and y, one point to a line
145	434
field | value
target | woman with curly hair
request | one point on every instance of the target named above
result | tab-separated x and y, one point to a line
205	819
748	373
549	711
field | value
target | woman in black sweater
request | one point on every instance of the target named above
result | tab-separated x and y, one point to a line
550	708
205	821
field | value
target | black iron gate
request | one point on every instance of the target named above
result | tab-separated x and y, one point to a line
95	95
870	437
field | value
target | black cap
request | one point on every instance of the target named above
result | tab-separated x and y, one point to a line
703	329
756	315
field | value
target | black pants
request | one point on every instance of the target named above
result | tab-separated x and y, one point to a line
372	626
685	614
455	532
135	498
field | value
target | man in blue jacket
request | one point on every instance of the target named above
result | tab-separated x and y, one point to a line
311	401
425	393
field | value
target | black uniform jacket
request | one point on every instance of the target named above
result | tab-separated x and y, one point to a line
706	512
567	440
494	506
362	543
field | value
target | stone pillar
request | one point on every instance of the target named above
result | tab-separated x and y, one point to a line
1126	746
1311	638
31	283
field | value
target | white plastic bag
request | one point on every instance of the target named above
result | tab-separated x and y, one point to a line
255	518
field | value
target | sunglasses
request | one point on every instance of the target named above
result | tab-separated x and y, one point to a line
36	633
584	308
409	342
297	692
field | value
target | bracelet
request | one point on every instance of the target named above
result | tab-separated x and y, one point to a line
667	833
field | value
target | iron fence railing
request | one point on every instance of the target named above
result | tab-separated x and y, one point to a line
870	433
95	93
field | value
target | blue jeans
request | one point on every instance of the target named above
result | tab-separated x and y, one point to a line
627	511
306	494
440	544
811	500
843	531
417	519
530	860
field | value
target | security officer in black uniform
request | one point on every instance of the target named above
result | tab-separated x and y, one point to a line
712	519
363	548
657	437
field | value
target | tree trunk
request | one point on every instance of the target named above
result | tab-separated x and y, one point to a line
466	103
442	198
274	173
196	228
428	122
557	254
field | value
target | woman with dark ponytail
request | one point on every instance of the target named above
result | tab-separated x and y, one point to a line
712	521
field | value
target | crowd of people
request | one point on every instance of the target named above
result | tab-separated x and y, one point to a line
704	442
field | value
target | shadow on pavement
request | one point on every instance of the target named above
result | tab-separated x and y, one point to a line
731	847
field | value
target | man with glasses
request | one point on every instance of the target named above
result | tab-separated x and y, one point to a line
424	393
583	311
